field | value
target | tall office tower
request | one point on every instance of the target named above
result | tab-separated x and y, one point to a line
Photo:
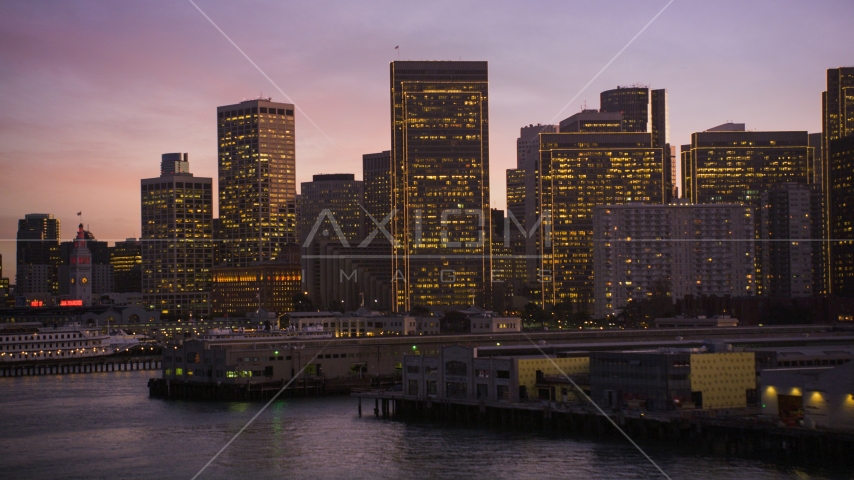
268	285
126	259
644	110
80	270
37	254
330	214
578	172
790	247
818	159
440	180
727	164
329	209
516	194
376	176
257	180
837	108
177	245
841	215
527	159
633	102
673	250
100	274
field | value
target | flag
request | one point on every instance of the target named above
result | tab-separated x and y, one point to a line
397	47
79	213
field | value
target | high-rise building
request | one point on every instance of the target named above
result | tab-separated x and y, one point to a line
578	172
671	250
177	244
330	209
100	270
257	181
126	259
37	254
633	102
80	270
790	241
727	164
331	213
376	177
516	193
841	215
440	183
837	107
271	286
644	110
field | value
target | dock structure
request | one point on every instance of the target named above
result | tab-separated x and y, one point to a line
113	363
737	432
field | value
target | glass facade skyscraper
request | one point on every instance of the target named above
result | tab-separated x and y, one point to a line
440	183
837	136
578	172
257	181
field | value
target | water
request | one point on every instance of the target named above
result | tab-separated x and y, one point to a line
105	426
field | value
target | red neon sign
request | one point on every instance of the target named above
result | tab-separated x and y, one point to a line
71	303
36	303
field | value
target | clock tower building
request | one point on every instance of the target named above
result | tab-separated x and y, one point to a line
80	270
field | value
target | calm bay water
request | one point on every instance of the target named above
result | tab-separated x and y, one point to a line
105	426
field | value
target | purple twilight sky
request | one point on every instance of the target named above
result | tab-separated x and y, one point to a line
93	92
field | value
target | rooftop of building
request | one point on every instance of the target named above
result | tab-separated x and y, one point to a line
333	177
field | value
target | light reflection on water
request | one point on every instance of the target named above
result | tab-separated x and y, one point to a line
104	425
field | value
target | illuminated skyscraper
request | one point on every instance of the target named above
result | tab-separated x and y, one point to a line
440	183
727	164
177	244
633	102
644	110
516	193
37	254
580	171
837	105
257	181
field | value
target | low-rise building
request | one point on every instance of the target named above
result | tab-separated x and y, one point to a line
696	322
361	323
457	372
668	379
821	397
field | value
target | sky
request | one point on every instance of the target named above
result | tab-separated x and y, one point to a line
92	93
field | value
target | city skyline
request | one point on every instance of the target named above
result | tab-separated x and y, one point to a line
108	106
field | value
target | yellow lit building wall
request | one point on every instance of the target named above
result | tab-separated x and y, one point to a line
723	378
527	369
